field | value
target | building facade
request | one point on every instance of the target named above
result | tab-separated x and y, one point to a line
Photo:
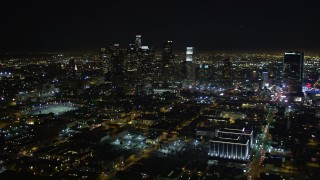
293	64
231	144
190	68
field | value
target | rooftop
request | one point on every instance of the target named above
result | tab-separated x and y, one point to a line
230	140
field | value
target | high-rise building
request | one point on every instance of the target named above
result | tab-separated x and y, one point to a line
203	73
189	54
147	64
131	60
138	42
190	69
167	52
131	63
72	64
104	58
115	63
167	61
265	79
227	72
113	57
293	64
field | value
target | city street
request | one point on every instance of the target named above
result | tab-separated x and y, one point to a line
261	147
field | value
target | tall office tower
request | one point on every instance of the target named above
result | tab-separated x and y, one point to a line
109	53
293	64
190	69
227	72
103	54
104	58
265	79
72	64
138	42
131	59
116	63
167	61
189	54
113	52
146	66
131	63
203	73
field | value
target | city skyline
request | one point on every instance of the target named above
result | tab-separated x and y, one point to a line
209	26
201	116
160	90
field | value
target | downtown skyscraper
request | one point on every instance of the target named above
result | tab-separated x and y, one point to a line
293	66
190	68
167	61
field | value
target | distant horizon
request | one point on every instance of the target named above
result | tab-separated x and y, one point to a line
313	52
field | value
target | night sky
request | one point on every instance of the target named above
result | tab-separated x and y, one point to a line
208	25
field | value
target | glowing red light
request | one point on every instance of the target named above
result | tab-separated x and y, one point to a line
309	85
